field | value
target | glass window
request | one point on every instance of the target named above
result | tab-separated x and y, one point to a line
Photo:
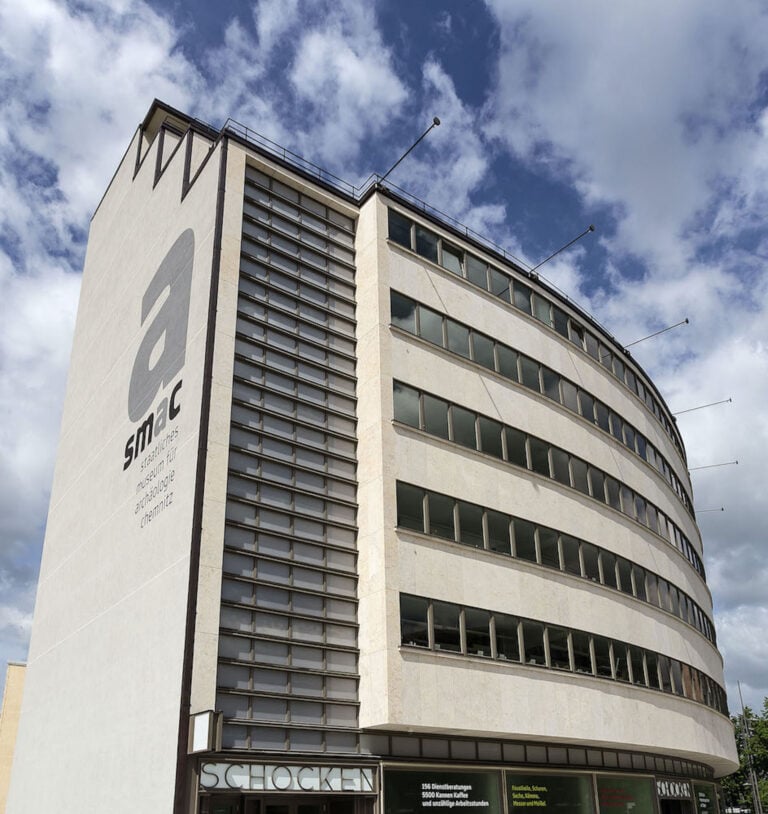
548	548
579	475
403	312
636	663
627	501
410	507
399	229
587	404
652	666
686	612
593	348
608	567
618	368
576	333
451	258
440	509
426	243
406	404
674	600
597	484
490	436
435	416
617	427
445	624
478	629
498	531
582	658
624	568
621	661
589	554
550	383
603	416
477	272
515	441
557	638
664	673
539	456
529	373
640	509
692	683
612	491
525	541
521	296
629	437
482	350
602	656
470	524
606	357
499	284
652	588
570	550
560	319
430	325
414	627
507	359
638	578
542	309
533	643
560	470
664	594
463	425
458	338
570	396
507	644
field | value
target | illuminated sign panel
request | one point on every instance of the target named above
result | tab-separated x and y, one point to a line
408	792
706	800
625	795
546	793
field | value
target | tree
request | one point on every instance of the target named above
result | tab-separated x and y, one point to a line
752	743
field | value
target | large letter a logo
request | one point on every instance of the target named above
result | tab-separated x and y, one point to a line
169	327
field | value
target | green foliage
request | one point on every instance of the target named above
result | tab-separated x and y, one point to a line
752	742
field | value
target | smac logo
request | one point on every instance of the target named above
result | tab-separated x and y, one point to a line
160	357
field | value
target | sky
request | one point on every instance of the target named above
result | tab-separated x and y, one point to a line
647	119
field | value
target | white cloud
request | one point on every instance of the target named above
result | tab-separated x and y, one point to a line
343	73
741	638
274	20
449	167
636	104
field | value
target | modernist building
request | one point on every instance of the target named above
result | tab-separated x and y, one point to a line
352	514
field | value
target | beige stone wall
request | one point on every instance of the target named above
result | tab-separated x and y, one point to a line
9	724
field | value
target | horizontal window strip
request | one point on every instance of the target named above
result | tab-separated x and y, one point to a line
407	233
444	419
462	340
284	548
449	627
258	300
298	739
450	518
293	203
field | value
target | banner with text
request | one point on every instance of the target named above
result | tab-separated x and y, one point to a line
413	792
549	793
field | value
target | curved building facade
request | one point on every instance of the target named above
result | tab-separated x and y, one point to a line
376	522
